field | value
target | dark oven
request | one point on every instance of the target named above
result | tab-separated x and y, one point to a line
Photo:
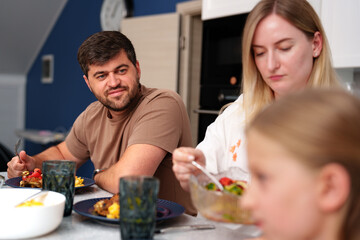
221	67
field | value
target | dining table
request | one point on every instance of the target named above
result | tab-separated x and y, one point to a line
77	226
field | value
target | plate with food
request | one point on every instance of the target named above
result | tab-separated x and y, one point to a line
107	209
34	180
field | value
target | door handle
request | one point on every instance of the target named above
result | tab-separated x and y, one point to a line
205	111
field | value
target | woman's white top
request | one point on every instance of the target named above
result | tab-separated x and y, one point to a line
224	143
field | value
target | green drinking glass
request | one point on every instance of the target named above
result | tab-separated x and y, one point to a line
59	176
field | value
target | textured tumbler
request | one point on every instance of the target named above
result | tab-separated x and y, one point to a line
59	176
137	199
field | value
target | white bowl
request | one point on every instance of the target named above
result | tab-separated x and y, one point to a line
29	222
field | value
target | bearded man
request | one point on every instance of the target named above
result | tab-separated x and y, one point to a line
130	130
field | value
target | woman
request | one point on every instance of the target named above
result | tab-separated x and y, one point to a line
304	158
284	50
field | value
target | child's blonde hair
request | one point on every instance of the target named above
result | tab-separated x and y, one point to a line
320	127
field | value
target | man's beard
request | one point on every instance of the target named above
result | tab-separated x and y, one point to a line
125	99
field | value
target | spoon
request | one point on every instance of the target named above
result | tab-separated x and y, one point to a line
40	195
207	173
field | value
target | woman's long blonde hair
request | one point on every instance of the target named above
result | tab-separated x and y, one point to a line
319	127
257	93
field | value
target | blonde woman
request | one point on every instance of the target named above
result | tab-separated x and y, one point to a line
285	49
304	158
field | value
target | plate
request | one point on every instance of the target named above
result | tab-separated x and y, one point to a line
15	182
165	210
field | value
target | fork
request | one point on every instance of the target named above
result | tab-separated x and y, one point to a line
17	145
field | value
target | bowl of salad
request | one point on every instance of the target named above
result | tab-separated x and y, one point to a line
221	206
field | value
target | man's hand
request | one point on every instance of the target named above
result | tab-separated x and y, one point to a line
59	152
17	165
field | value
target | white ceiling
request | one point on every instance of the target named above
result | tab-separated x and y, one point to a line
24	27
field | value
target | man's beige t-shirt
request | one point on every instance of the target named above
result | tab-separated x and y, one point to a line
159	118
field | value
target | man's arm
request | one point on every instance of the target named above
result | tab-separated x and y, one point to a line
59	152
138	159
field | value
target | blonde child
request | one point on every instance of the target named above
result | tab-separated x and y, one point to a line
304	158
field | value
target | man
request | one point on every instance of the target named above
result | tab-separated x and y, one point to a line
130	130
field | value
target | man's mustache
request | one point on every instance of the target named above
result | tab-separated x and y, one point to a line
115	88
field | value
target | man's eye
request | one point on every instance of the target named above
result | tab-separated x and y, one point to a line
100	77
122	71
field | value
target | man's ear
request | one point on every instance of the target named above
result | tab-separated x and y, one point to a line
87	82
317	44
138	69
333	187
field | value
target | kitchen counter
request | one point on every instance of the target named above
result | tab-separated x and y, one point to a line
76	226
41	136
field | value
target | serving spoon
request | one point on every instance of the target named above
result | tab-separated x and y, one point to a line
40	196
209	175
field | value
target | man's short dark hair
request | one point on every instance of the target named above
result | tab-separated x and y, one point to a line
100	47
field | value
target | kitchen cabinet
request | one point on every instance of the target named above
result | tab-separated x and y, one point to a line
215	8
339	18
156	42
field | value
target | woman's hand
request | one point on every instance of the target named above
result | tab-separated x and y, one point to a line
17	165
182	166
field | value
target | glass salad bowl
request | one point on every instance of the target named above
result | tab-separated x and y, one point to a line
221	206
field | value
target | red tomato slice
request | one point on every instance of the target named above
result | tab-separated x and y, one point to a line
226	181
35	174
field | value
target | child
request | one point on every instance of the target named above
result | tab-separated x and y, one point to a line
304	157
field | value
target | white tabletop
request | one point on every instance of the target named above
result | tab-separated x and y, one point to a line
76	226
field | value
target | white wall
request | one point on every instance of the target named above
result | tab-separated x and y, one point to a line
12	107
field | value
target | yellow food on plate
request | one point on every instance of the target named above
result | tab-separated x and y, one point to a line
114	211
31	203
109	207
79	181
34	179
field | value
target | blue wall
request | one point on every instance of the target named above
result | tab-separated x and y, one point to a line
56	106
